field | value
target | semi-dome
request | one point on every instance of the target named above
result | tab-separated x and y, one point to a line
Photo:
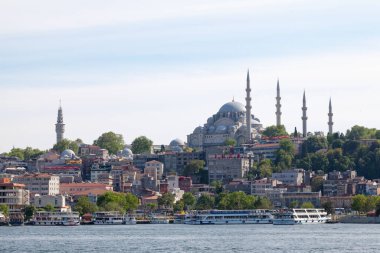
177	142
221	129
232	107
127	152
68	153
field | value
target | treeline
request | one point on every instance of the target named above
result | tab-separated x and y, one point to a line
358	149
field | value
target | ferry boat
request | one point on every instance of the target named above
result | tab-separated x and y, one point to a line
301	216
129	220
225	217
44	218
159	220
108	218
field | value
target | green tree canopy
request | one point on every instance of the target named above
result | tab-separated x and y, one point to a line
205	202
193	167
307	205
110	141
84	205
29	212
4	209
179	206
360	132
25	154
359	203
66	144
285	154
230	142
188	199
166	200
275	131
49	208
117	201
313	144
141	145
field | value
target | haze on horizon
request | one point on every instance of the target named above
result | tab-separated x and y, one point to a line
161	68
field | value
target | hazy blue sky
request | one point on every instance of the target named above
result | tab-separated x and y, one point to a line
161	68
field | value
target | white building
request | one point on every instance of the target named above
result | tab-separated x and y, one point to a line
290	177
154	169
57	201
42	184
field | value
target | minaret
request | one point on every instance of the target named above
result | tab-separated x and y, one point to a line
60	126
248	108
304	116
330	123
278	105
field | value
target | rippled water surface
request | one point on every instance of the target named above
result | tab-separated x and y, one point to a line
187	238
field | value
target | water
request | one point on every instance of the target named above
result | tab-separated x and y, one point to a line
187	238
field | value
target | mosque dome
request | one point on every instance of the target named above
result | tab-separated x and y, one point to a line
67	154
198	130
127	152
177	142
221	129
232	107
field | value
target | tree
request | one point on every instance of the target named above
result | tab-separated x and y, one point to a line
117	201
218	186
359	203
193	167
131	202
307	205
265	168
188	200
316	184
16	152
4	209
141	145
179	206
285	154
293	204
313	144
29	212
110	141
263	203
230	142
84	205
166	200
66	144
49	208
360	132
275	131
329	207
205	202
237	201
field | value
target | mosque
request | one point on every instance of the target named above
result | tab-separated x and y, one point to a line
232	121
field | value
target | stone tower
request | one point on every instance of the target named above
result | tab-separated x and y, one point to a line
248	108
304	116
60	126
278	105
330	114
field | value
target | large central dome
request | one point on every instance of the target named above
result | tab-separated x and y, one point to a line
232	107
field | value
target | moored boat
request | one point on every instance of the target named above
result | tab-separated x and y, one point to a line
44	218
108	218
301	216
159	219
226	217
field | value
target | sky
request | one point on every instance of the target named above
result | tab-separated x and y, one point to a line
161	68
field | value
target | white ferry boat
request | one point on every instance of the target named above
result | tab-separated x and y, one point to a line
159	220
301	216
219	217
108	218
44	218
129	220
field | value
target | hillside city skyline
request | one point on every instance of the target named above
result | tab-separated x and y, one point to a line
160	70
